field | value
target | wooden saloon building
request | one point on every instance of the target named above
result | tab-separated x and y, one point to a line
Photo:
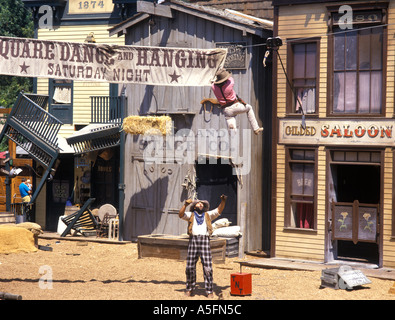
333	119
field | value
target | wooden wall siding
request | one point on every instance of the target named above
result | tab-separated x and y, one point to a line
297	22
82	90
390	62
388	243
300	22
300	244
194	32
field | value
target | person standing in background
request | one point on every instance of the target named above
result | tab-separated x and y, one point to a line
25	192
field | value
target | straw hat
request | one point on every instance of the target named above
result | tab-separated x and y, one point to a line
221	76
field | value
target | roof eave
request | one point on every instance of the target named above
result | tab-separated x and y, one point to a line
259	30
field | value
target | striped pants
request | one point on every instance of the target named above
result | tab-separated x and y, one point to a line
199	246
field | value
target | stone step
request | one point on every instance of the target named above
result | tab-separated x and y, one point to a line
7	217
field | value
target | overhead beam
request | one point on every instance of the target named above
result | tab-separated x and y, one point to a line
154	9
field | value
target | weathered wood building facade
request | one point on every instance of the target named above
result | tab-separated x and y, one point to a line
333	167
156	188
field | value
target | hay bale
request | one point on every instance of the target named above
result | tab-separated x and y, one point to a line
14	239
35	228
147	125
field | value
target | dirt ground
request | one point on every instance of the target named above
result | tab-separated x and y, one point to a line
100	271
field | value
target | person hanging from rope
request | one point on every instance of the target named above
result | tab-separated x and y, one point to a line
230	103
199	230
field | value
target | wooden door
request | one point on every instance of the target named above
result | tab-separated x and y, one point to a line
355	222
143	182
157	196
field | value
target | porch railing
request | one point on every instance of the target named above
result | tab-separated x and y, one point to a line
106	109
107	113
39	99
33	128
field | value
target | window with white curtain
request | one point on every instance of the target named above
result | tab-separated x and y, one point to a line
303	73
358	71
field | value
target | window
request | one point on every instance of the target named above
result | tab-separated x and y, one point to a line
301	186
357	68
304	77
61	100
358	71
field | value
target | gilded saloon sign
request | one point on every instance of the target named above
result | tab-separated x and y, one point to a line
337	132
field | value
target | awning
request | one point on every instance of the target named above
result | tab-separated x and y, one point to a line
95	137
64	146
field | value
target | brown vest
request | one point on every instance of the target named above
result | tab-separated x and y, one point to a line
208	223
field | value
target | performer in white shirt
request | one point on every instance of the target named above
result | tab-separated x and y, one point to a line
199	219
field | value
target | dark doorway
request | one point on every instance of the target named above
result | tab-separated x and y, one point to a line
358	182
362	183
363	252
105	178
59	190
213	180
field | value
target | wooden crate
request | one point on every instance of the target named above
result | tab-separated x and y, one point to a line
232	247
330	278
175	247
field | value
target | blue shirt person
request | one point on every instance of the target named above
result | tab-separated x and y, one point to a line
25	191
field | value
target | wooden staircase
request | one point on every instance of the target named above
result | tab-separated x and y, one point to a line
7	218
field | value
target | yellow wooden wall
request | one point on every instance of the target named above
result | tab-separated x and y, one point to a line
301	21
388	244
82	89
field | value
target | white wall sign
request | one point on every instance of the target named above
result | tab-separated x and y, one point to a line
377	132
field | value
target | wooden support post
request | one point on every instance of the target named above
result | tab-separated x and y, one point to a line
243	224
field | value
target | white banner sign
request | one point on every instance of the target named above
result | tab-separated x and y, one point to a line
109	63
377	132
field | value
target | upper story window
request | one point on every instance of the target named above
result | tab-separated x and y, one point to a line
303	73
356	72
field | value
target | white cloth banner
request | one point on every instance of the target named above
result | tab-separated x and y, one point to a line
109	63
